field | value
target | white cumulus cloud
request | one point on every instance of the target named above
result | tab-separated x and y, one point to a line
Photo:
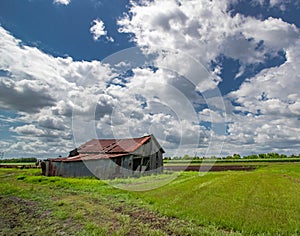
206	30
62	2
42	91
98	30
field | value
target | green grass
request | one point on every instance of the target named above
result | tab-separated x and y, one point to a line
17	163
79	206
261	202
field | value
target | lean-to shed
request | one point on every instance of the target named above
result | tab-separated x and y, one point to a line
109	158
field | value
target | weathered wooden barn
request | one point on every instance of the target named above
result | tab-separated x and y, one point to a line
109	158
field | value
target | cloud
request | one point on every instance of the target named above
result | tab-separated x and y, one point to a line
36	148
28	96
273	91
279	4
211	116
43	91
51	122
270	31
62	2
98	30
205	30
156	102
267	114
189	27
28	130
39	132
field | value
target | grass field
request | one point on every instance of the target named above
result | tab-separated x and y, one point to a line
261	202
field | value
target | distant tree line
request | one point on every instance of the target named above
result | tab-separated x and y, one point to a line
270	155
19	160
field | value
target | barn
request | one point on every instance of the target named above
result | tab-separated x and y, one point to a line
109	158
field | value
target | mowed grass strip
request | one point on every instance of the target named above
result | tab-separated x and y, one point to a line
221	162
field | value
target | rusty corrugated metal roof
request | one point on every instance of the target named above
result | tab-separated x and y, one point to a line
105	148
111	146
86	157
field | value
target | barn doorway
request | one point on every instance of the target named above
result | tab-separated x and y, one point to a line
136	163
118	165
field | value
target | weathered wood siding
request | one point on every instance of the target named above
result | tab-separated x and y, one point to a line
152	150
101	168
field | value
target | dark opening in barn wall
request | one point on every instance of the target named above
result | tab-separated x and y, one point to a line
118	162
136	163
146	163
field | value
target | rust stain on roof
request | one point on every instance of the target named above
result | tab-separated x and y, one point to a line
87	157
105	148
110	146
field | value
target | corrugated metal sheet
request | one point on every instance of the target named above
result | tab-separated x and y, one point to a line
86	157
105	148
110	146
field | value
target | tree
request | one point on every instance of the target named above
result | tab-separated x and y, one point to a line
186	157
262	155
283	156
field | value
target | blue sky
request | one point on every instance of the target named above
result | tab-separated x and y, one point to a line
64	30
207	77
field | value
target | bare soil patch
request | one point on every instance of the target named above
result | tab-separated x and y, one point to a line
17	212
209	168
